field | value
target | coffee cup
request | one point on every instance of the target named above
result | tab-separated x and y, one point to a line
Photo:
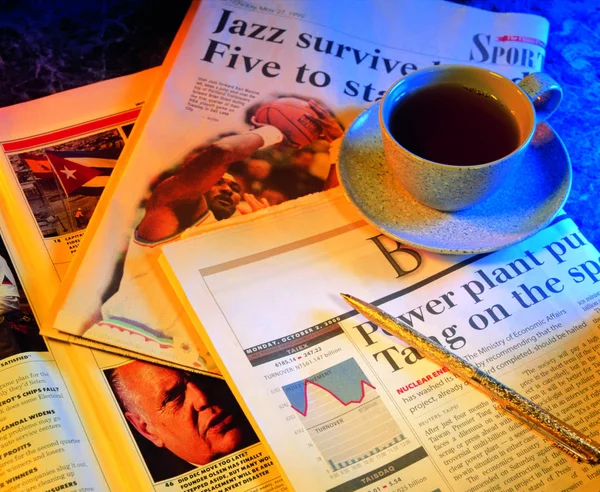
452	133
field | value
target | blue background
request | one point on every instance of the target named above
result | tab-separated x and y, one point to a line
50	46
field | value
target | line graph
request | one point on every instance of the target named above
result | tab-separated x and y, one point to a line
303	410
343	414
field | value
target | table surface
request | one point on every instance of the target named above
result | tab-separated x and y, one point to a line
47	47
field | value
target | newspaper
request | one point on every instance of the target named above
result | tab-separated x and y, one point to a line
214	143
334	394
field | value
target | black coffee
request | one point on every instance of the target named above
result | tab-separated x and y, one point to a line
453	124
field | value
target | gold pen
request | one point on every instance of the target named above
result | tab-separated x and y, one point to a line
564	436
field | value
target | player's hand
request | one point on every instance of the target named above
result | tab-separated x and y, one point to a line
251	204
288	142
331	128
257	124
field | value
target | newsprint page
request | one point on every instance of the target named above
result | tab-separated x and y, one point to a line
240	65
336	395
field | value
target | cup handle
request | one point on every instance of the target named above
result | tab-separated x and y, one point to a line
544	92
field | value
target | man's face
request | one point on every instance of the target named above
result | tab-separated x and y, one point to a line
195	417
223	197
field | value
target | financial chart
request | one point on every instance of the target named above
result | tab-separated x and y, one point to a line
343	414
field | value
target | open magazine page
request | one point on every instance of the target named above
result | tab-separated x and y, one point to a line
64	424
47	198
43	441
61	426
56	155
74	419
257	94
169	429
334	394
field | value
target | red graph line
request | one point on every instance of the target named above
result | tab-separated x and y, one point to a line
363	383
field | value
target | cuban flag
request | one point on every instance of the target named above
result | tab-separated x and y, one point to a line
84	172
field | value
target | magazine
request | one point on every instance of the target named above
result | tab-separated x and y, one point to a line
254	97
76	419
333	393
54	168
56	164
67	421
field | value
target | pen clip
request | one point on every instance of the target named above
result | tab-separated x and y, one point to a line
555	442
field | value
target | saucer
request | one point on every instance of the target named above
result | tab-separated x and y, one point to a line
528	200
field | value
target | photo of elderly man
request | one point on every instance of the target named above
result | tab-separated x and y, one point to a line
181	420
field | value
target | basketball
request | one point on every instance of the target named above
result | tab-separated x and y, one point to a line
291	116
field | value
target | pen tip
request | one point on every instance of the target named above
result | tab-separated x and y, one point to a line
349	299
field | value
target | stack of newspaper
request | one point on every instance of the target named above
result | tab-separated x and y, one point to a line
193	338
